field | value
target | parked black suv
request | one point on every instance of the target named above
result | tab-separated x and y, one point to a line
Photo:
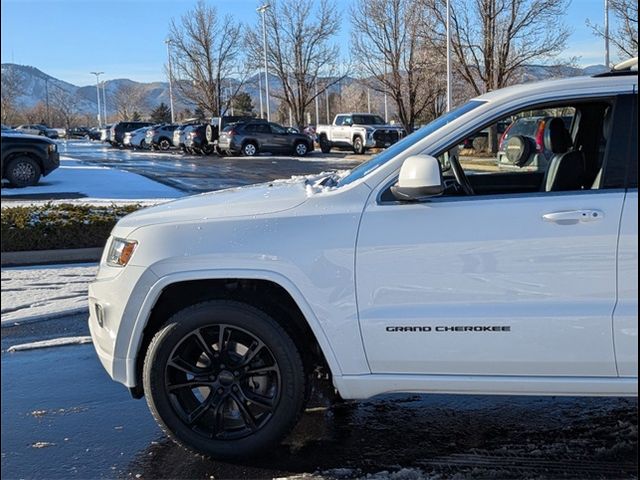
251	138
119	129
25	158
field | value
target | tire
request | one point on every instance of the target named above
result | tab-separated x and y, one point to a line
325	144
164	144
23	171
358	145
249	149
143	144
300	149
215	410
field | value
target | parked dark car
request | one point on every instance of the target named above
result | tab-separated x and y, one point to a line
95	133
533	129
160	136
119	129
218	124
196	141
253	137
78	132
25	158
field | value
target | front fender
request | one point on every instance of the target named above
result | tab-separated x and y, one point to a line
137	331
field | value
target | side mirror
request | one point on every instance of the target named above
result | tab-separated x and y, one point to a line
420	177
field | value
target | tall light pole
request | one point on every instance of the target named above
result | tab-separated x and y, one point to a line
262	10
448	56
104	101
168	42
317	106
260	90
606	33
97	74
386	108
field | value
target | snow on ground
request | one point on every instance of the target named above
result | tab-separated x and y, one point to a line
96	183
53	342
42	292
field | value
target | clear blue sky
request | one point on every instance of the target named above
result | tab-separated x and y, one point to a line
125	38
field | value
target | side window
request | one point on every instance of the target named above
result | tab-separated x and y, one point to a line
340	120
348	121
275	129
632	170
560	147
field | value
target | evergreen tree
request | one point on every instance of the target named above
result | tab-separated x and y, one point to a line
242	104
161	114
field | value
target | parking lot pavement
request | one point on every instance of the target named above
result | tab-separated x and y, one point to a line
196	174
63	417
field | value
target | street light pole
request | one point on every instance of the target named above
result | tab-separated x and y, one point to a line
260	90
606	33
262	10
448	56
104	101
97	74
168	42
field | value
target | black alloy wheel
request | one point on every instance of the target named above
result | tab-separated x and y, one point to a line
23	172
224	379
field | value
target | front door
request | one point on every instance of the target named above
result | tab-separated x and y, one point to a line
517	283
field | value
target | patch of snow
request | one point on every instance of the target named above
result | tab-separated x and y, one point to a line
96	183
52	342
316	183
42	292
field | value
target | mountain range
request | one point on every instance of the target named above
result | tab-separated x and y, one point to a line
35	84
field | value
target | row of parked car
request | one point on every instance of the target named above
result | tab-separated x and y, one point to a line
228	135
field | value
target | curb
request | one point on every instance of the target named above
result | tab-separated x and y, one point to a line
45	257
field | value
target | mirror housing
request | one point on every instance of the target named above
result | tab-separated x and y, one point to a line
420	178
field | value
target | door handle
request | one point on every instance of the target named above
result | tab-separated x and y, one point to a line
571	217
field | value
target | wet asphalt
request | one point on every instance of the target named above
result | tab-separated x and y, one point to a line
64	418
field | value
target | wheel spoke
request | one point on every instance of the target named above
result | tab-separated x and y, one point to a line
244	410
263	402
248	357
199	410
260	371
204	345
221	339
191	384
184	366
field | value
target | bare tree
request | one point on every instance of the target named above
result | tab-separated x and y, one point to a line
9	93
354	98
128	99
492	40
299	51
625	38
206	50
388	47
64	106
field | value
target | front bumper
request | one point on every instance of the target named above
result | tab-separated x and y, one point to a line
50	163
119	293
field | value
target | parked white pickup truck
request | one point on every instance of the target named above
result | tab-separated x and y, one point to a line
358	131
411	273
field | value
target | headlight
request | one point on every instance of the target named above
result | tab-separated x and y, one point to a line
52	147
120	252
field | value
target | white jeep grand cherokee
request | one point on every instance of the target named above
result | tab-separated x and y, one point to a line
420	270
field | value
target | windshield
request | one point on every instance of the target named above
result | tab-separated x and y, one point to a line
382	158
367	120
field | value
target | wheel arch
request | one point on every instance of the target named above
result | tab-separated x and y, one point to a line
269	292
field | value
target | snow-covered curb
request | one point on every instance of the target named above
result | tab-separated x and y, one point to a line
53	342
40	292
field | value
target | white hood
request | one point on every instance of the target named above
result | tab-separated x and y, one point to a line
259	199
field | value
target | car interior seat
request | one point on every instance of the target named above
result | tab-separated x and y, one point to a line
606	129
566	170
